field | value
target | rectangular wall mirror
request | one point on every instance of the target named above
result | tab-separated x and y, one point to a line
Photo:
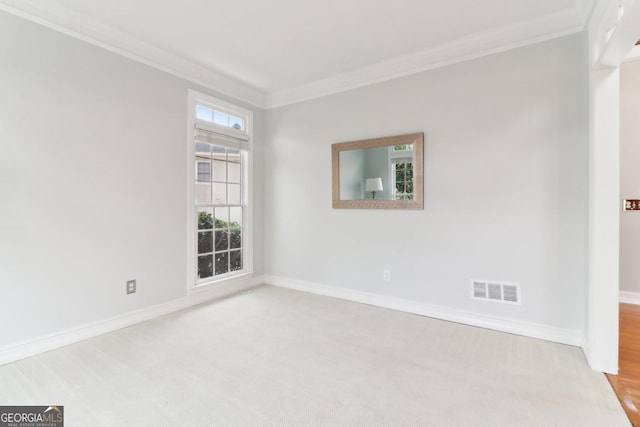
379	173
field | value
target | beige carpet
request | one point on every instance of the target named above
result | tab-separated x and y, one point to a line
276	357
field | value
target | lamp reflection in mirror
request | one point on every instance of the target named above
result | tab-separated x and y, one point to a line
373	185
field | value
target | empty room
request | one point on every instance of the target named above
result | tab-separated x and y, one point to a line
296	213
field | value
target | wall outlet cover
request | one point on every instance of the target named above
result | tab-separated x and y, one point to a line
131	287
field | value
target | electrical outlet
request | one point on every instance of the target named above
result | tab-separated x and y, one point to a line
386	275
131	286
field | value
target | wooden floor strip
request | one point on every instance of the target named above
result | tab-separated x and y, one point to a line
627	383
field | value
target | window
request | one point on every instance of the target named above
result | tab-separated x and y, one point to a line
221	151
404	148
403	180
214	115
204	171
401	171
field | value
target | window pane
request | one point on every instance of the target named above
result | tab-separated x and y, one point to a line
399	188
234	194
233	155
236	216
235	238
222	263
205	266
222	240
219	153
409	187
235	260
236	123
234	172
205	242
220	194
203	193
205	219
204	113
221	118
203	170
222	217
203	150
219	170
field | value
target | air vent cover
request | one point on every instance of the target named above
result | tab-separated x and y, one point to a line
490	290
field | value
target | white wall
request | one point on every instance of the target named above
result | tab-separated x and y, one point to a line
630	175
506	163
93	186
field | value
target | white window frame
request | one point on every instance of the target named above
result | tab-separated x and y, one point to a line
199	98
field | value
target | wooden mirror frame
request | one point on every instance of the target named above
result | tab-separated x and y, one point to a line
417	139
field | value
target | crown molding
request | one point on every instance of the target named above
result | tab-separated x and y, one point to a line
89	30
477	45
615	31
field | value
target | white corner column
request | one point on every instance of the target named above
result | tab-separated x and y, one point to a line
612	30
604	218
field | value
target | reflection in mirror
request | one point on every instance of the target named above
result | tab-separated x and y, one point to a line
384	173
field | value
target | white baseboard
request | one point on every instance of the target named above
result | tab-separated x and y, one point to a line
544	332
630	297
21	350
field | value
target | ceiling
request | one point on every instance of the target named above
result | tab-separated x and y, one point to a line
275	52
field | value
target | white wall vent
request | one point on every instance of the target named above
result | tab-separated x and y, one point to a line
489	290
